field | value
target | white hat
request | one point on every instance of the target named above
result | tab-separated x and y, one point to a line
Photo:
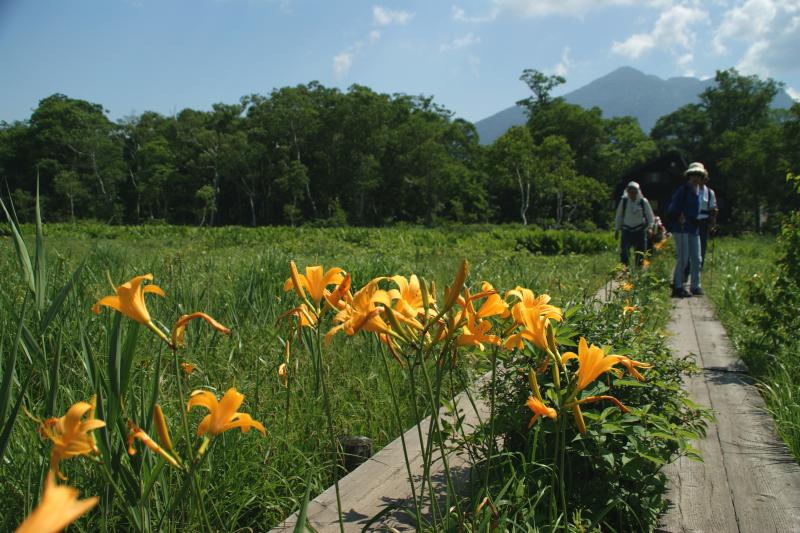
632	185
696	168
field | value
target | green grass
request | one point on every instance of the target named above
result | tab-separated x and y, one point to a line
236	275
740	270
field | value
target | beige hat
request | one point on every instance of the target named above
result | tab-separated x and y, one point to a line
696	168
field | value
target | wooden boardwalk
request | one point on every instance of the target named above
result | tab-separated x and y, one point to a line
748	481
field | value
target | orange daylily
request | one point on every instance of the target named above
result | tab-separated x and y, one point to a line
362	312
71	435
137	433
627	286
408	296
632	365
58	508
592	361
629	308
539	409
314	282
222	414
476	332
528	300
534	329
129	299
493	305
179	330
453	292
188	368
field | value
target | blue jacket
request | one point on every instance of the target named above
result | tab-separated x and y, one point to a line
687	202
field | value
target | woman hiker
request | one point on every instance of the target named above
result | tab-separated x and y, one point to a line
634	217
683	211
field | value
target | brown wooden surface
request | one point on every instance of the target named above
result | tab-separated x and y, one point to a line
748	481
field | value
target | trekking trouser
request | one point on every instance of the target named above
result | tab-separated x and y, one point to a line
636	237
702	226
687	252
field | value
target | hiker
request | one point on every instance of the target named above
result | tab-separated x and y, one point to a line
683	210
707	219
656	234
634	218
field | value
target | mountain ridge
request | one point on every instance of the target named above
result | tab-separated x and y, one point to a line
621	92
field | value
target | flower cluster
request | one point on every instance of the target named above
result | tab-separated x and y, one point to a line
405	314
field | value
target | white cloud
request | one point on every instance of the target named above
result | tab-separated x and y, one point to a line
342	63
374	36
770	32
563	66
673	31
388	17
459	43
544	8
795	95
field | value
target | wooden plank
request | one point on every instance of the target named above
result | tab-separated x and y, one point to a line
763	476
382	481
699	492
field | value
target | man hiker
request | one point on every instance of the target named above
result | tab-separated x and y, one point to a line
683	210
634	217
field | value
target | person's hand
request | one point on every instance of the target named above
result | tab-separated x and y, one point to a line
713	230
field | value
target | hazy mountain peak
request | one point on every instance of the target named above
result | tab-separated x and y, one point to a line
624	91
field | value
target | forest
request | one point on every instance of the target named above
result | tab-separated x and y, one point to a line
316	155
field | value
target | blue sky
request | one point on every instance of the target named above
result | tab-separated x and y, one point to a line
164	55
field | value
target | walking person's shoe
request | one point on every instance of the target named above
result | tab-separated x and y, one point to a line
677	292
686	293
698	291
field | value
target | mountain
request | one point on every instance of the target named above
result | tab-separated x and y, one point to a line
625	91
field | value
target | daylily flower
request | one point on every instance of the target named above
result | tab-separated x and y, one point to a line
627	286
363	313
222	414
187	368
629	308
476	332
539	409
592	361
408	296
136	433
71	435
493	305
534	329
179	330
58	508
314	282
646	263
305	318
528	300
632	365
129	299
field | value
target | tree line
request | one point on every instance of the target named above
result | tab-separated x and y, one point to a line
314	154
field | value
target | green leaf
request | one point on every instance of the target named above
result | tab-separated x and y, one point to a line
40	266
58	301
23	258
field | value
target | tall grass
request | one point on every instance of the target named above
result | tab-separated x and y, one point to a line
55	352
743	273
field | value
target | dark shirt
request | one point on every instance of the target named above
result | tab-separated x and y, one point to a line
685	201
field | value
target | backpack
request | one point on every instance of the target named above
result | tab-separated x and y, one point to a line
641	205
